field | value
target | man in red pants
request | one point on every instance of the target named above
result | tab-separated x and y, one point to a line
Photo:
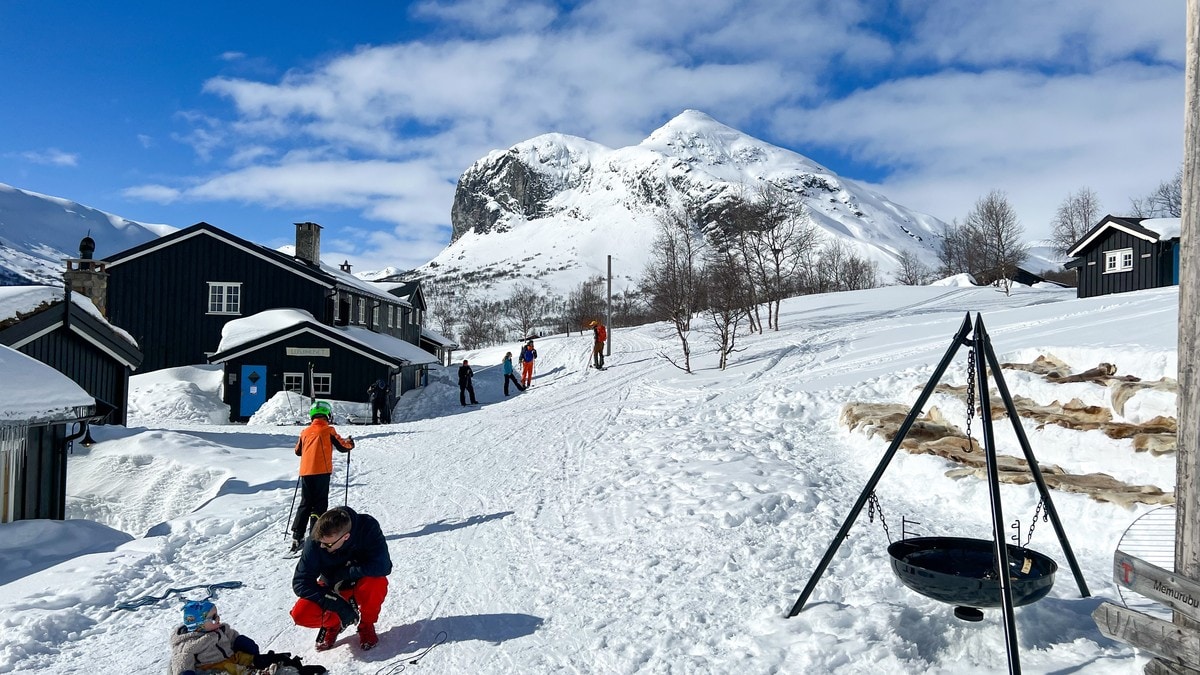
341	578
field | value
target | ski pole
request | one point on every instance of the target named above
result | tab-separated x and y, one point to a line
293	506
346	501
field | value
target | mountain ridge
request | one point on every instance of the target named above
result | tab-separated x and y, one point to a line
583	201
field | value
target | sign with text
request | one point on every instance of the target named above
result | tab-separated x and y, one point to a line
1163	638
308	351
1179	593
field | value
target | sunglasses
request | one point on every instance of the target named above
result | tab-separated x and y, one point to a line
329	546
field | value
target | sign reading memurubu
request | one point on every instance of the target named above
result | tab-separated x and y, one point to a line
1178	593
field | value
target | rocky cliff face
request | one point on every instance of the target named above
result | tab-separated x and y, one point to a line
553	207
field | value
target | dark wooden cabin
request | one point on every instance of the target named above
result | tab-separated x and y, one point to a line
174	294
65	331
1119	255
289	350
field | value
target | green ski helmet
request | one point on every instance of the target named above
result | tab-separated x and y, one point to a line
320	408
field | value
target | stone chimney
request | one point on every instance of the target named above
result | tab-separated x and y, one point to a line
345	266
87	277
308	243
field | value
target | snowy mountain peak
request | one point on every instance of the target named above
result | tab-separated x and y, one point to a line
552	208
694	136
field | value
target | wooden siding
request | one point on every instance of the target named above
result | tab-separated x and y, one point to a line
102	377
34	471
1152	265
161	298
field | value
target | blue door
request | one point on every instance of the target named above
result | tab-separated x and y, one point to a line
254	389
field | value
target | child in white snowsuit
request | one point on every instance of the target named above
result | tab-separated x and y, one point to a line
203	644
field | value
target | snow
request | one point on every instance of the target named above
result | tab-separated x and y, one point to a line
1166	228
17	301
638	519
34	391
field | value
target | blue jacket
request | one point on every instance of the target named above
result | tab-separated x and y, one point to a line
363	554
528	355
508	366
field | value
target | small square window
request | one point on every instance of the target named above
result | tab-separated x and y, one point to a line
224	297
1120	260
293	382
322	384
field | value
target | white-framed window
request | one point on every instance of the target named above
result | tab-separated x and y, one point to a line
1119	260
362	311
375	316
322	384
391	316
224	297
293	382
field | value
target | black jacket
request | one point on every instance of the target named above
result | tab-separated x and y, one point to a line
363	554
464	375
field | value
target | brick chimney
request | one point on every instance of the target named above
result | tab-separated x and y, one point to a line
308	243
87	277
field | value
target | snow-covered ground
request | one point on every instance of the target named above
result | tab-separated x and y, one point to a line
638	519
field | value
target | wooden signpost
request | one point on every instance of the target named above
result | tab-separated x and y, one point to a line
1177	646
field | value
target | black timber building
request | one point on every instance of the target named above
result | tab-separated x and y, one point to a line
1119	255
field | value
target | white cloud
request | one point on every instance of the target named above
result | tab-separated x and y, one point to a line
161	194
51	156
946	100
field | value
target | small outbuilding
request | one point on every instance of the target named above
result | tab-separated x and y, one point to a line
42	412
290	350
1126	254
66	331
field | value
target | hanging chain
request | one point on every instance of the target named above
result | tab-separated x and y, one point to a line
970	396
874	508
1033	523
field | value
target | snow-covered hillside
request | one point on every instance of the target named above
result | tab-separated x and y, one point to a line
38	231
635	520
554	207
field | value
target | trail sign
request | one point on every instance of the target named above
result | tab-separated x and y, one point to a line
1179	593
1156	636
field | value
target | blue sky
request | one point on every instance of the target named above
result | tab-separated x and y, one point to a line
361	116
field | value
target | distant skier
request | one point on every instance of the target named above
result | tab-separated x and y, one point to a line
315	449
601	336
527	357
341	578
464	383
508	374
377	394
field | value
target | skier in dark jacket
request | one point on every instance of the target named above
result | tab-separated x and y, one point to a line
464	383
346	560
527	357
377	394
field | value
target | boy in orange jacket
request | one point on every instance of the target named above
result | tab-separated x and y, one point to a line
315	450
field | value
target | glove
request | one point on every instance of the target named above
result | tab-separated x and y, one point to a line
271	658
332	602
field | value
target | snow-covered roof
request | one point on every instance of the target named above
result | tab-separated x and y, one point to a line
248	329
437	338
19	301
33	391
1167	228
